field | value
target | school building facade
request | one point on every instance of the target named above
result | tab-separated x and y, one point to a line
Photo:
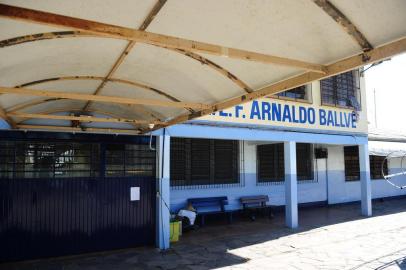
307	145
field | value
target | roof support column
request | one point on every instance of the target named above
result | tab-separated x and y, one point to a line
291	207
366	204
163	190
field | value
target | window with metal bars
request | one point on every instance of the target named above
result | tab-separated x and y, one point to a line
270	163
295	93
375	164
129	160
271	167
339	90
40	159
351	163
22	159
200	162
7	159
304	161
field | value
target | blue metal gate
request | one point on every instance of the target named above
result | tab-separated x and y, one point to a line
46	217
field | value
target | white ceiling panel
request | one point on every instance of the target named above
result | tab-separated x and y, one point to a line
178	75
61	57
297	29
379	21
128	13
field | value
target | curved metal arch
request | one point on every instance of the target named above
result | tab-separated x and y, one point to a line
68	34
22	106
214	66
43	36
345	23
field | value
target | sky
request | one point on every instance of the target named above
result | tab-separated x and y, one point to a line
388	80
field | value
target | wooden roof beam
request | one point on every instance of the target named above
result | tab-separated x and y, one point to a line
136	108
107	99
119	32
345	23
150	17
350	63
82	129
6	118
71	110
84	118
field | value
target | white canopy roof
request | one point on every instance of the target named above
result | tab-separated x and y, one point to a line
71	59
375	134
384	142
380	148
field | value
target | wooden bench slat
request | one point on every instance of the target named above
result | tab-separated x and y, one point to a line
254	199
250	203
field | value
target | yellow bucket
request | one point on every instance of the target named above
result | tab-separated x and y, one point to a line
174	231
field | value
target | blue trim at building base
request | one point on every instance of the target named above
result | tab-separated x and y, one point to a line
281	208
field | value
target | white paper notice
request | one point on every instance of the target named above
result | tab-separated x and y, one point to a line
134	193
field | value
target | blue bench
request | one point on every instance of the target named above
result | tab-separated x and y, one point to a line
210	205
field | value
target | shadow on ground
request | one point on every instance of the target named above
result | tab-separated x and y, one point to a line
208	247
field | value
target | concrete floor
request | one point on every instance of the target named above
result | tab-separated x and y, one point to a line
334	237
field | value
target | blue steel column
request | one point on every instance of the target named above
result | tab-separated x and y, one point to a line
163	189
291	211
366	204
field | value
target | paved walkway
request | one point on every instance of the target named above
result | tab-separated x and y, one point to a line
334	237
